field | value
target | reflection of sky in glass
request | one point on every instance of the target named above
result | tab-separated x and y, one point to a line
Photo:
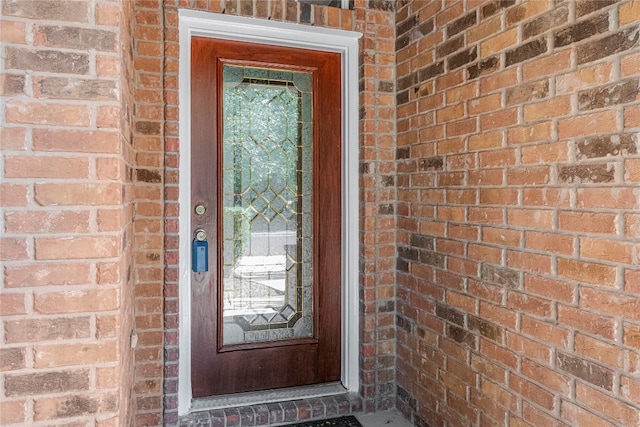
267	163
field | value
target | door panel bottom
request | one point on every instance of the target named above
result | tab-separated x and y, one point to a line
267	396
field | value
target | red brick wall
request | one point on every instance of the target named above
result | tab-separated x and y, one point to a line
129	275
375	20
518	242
149	226
66	213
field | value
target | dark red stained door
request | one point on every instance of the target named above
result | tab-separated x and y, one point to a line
219	367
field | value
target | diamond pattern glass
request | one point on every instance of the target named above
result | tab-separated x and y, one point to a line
267	173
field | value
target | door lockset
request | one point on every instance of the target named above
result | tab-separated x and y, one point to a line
201	235
200	252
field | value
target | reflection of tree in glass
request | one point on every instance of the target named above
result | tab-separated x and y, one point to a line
261	146
262	156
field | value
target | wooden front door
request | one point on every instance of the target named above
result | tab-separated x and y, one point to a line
266	216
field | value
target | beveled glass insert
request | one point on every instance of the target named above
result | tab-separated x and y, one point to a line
268	232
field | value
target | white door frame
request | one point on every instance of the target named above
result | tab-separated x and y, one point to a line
205	24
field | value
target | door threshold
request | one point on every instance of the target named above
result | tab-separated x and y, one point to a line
294	405
267	396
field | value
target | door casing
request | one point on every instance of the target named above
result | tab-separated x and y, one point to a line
205	24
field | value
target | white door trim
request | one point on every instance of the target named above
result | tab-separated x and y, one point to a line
205	24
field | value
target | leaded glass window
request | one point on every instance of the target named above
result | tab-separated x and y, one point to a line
267	164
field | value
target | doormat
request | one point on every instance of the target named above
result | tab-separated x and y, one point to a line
348	421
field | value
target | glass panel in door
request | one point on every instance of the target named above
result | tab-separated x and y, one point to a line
267	197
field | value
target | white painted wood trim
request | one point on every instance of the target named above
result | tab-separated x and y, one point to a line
205	24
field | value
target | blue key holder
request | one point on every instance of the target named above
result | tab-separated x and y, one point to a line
200	253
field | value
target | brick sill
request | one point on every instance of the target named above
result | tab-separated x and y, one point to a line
275	413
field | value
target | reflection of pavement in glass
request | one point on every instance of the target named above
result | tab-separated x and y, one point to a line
255	286
254	266
271	243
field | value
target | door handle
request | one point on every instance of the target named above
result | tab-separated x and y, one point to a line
200	252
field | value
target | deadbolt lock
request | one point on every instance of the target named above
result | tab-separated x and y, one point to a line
200	209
